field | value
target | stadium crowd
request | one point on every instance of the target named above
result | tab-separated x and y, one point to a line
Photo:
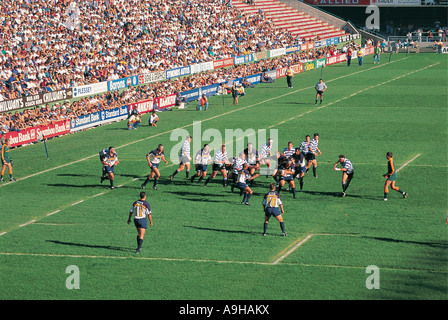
48	114
57	44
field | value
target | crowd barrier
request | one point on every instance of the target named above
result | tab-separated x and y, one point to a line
31	135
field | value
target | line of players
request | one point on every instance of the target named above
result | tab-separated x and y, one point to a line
242	170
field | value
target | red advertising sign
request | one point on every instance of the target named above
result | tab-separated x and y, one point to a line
223	63
142	106
32	134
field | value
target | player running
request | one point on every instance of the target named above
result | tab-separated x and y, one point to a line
287	175
390	177
220	161
347	172
110	160
184	159
202	160
300	166
271	204
243	178
154	157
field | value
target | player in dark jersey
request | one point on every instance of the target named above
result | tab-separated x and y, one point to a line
140	210
110	160
6	160
154	157
300	166
271	205
391	177
253	160
287	175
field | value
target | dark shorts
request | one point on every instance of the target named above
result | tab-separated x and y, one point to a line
218	167
109	169
141	223
300	170
287	179
201	167
155	165
310	157
272	212
320	92
350	175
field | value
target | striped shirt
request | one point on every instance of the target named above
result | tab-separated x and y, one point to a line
185	150
304	147
220	157
272	200
140	209
155	156
313	145
252	157
265	150
238	164
289	152
347	165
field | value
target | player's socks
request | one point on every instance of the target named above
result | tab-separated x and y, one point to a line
294	192
282	226
187	173
301	183
208	180
265	227
155	182
279	189
248	197
321	101
139	244
244	198
200	179
175	172
275	178
344	186
314	171
224	182
111	183
146	182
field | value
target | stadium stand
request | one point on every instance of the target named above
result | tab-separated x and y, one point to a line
284	17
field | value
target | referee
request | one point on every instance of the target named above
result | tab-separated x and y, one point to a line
140	210
320	88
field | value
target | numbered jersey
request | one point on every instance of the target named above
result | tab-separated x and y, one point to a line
272	200
140	209
110	159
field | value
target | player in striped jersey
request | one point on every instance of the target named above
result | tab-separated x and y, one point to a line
313	148
110	160
271	204
253	160
220	161
347	172
184	159
202	159
243	178
154	157
289	150
140	210
102	153
265	154
320	88
238	165
391	177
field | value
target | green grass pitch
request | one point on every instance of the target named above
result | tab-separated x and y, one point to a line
204	244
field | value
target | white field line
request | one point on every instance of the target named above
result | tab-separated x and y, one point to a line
287	253
189	125
408	162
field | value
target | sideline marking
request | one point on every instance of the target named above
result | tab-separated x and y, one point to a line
408	162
